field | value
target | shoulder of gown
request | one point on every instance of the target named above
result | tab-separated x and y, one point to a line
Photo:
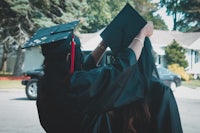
164	109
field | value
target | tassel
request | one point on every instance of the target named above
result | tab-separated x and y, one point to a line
72	55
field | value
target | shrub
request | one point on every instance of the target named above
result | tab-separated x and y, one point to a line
175	54
180	71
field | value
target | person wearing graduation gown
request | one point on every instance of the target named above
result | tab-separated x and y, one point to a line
125	96
99	100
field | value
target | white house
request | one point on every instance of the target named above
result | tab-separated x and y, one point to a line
189	41
33	59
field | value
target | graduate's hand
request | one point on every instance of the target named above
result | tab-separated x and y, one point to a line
147	30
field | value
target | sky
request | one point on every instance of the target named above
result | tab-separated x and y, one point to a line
168	19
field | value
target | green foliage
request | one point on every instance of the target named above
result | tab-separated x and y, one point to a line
97	15
175	54
101	12
19	6
43	22
191	16
147	9
94	14
180	71
157	21
21	18
186	13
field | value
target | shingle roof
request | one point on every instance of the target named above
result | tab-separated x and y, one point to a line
195	45
164	38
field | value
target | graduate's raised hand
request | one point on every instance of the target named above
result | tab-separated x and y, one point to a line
147	30
138	42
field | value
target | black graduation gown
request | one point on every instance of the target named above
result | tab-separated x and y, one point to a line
82	107
163	109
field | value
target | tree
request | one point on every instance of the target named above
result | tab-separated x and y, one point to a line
7	48
14	22
186	13
173	8
157	21
21	18
147	9
97	16
191	16
175	54
100	13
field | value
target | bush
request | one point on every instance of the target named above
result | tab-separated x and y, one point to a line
5	73
180	71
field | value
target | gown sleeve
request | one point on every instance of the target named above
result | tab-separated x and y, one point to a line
94	92
89	62
105	88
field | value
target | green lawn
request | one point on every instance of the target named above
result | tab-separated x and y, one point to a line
192	83
11	84
16	84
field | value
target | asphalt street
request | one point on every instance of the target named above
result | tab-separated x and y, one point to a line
19	115
188	101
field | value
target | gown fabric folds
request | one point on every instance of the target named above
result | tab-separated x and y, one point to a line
83	105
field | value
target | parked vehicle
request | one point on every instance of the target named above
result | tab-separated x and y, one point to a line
31	84
169	78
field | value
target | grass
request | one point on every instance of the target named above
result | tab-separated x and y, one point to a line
5	73
16	84
192	84
11	84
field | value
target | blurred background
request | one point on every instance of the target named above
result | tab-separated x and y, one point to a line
176	48
175	41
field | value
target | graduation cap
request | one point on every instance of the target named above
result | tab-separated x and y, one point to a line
51	34
123	28
56	40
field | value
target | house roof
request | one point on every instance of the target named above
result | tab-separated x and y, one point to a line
164	38
195	45
159	38
187	39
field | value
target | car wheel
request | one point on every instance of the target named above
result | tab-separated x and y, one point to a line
195	76
31	89
173	86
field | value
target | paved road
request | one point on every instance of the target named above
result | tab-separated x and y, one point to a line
188	101
19	115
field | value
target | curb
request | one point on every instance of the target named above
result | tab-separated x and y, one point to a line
13	78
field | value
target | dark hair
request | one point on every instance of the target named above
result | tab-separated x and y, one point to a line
137	117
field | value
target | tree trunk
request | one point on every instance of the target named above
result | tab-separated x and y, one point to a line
4	62
19	62
175	21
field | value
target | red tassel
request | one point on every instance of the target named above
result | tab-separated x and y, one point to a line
72	55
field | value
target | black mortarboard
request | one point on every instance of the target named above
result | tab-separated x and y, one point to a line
51	34
123	28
